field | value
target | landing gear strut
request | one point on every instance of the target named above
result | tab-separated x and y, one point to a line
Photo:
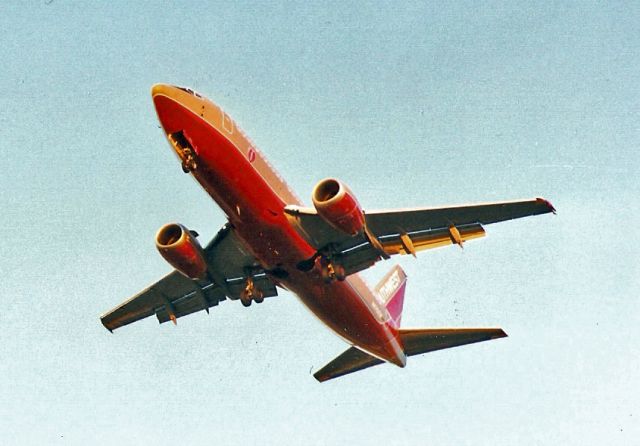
188	162
183	147
327	261
329	270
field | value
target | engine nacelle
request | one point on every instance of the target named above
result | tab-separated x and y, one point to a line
180	248
338	206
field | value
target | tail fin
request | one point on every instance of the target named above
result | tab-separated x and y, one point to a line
390	290
415	341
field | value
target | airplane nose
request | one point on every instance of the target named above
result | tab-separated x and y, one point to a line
172	91
158	89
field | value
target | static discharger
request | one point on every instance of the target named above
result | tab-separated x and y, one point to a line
455	236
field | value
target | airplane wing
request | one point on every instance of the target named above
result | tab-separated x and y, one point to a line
175	295
407	231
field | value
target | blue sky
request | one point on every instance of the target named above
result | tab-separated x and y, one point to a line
418	104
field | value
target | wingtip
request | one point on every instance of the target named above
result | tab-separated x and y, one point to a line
104	324
548	204
320	377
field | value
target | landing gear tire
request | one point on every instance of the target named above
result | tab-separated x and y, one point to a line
326	273
330	271
246	298
189	163
339	272
251	293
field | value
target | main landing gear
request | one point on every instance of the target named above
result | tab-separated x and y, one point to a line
326	264
251	293
330	270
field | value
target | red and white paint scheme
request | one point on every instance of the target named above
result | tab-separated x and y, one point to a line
272	241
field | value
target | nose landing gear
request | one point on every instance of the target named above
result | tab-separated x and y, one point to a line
184	148
188	162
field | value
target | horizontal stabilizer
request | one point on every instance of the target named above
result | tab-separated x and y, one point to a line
415	341
350	361
424	340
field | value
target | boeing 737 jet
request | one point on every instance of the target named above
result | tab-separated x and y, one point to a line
272	241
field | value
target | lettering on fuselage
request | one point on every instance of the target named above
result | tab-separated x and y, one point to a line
390	286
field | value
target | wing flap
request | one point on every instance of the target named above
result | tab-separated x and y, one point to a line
197	300
423	240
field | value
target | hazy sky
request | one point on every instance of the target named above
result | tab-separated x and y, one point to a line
410	104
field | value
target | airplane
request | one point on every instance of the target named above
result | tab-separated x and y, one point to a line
272	241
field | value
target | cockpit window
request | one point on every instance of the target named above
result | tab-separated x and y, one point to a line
189	90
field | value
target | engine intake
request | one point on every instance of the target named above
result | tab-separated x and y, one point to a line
337	205
180	248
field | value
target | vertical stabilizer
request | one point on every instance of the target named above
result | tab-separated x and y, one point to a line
390	291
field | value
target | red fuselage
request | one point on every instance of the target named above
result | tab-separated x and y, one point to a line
253	196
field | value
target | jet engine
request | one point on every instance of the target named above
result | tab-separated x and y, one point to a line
180	248
336	204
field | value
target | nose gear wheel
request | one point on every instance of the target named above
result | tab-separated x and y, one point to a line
188	162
